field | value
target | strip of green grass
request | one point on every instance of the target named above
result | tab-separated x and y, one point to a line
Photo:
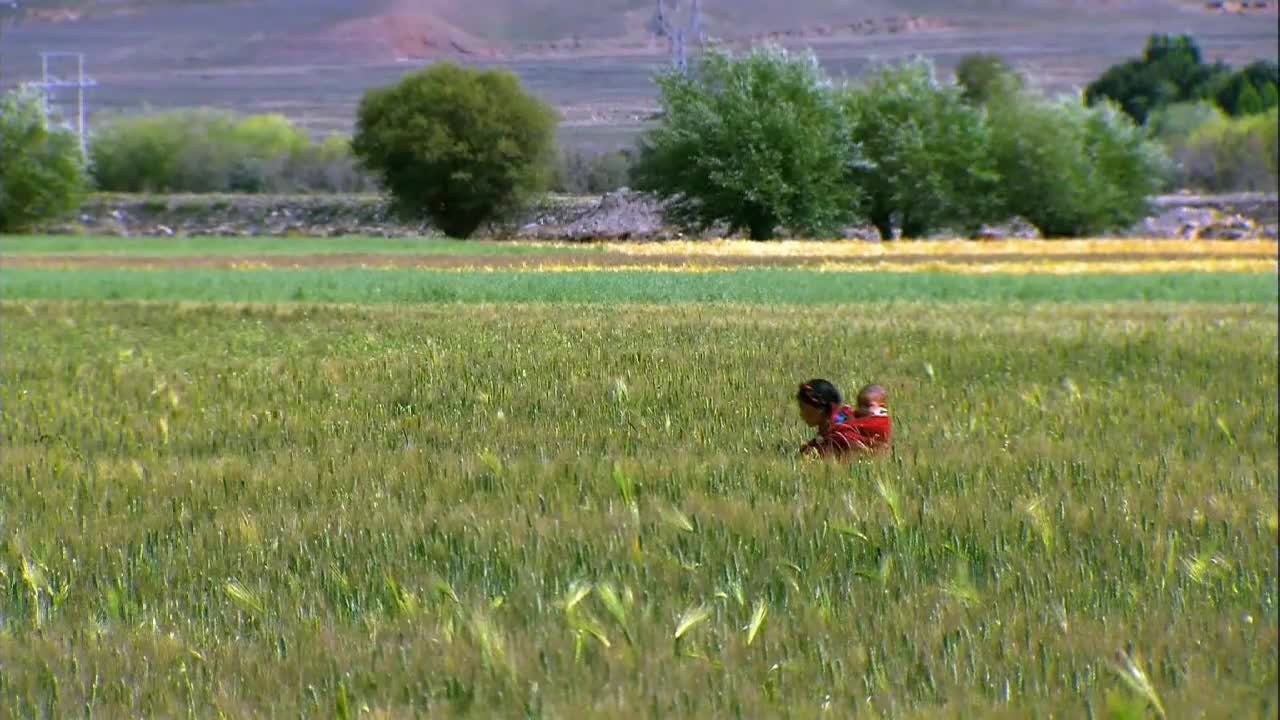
70	245
800	287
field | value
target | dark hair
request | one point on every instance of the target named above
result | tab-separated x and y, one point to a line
820	394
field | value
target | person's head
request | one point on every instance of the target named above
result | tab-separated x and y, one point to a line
818	400
870	398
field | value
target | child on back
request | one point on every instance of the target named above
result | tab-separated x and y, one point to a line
871	418
844	430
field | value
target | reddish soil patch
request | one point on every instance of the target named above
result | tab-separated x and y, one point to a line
400	30
395	37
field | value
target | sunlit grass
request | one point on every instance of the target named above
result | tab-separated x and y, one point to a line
596	511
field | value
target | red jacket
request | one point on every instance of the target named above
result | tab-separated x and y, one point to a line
847	435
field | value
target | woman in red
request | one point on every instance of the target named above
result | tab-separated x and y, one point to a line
843	430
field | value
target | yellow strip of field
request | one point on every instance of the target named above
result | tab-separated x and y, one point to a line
1049	267
942	248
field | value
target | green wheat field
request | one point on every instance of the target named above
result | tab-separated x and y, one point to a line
578	496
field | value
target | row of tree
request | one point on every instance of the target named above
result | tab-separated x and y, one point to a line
759	143
767	141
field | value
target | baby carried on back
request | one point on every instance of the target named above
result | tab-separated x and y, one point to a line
844	431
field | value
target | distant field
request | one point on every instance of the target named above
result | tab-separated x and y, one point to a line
799	287
569	511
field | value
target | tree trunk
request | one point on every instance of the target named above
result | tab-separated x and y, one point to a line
884	223
762	232
759	223
912	228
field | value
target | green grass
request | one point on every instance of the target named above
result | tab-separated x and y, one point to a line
512	511
744	286
73	245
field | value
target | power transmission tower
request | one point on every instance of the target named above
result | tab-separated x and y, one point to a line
8	17
52	81
664	25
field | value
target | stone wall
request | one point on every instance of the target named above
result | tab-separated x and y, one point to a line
621	215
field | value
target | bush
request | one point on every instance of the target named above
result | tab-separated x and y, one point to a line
1233	154
927	161
1216	153
456	145
1073	170
583	172
1270	96
1170	71
330	166
756	142
209	151
1174	124
42	174
983	76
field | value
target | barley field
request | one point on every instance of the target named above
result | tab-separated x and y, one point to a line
586	503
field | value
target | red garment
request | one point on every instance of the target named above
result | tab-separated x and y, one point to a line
847	435
876	429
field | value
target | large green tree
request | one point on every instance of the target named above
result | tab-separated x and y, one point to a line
1073	170
756	141
455	145
926	154
42	171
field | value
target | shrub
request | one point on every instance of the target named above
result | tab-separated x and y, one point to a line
926	153
1173	126
983	76
583	172
330	166
42	174
1072	170
210	151
1233	154
455	145
756	142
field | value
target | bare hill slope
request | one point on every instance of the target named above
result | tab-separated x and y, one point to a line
594	59
373	31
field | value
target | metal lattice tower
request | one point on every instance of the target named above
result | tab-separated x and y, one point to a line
52	81
663	25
